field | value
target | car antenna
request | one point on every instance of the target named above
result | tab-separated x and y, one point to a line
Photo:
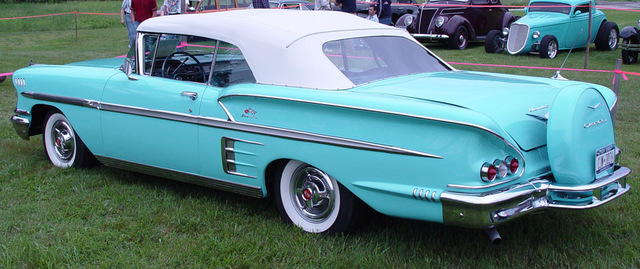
557	75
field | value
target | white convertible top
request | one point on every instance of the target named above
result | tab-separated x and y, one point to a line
282	47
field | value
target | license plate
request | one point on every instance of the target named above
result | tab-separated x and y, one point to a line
605	158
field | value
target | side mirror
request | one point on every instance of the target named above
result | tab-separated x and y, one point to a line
127	68
526	10
578	12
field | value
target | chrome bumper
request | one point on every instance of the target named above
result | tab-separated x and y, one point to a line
486	210
430	36
21	125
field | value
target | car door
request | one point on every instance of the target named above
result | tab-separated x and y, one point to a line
578	27
150	119
478	15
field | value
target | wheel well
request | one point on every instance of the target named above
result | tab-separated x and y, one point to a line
273	170
38	112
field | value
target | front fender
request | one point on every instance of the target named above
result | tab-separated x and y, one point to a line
507	20
628	32
454	22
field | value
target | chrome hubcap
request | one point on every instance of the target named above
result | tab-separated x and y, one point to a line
63	140
313	192
552	49
613	38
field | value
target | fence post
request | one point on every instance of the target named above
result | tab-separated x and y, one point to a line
616	88
75	13
586	56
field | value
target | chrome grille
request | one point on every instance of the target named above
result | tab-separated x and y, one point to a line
424	21
518	34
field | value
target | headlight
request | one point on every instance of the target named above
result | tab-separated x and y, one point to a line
536	35
505	31
439	21
408	20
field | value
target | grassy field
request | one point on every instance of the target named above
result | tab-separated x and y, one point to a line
104	217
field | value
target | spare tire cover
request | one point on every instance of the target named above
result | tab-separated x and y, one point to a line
579	124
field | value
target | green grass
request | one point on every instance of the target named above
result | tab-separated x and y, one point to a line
105	217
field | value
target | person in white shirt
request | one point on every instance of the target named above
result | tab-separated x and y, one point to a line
373	13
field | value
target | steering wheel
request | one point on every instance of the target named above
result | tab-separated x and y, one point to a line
166	69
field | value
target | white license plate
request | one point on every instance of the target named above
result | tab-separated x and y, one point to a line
605	158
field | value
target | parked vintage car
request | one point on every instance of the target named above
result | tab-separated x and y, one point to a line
216	5
630	45
314	109
456	21
398	8
290	4
553	25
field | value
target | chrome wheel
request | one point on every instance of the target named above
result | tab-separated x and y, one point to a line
613	39
552	49
59	141
313	192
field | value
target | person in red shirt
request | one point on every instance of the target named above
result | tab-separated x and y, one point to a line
142	10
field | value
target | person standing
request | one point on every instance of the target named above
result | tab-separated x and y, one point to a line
384	14
322	5
261	4
348	6
125	18
373	16
141	10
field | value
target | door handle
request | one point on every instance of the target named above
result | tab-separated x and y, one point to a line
192	95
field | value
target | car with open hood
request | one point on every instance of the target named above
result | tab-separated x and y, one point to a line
315	110
554	25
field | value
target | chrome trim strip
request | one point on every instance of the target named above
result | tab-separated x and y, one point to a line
387	112
224	185
231	125
484	186
431	36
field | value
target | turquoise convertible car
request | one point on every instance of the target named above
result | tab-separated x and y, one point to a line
330	114
554	25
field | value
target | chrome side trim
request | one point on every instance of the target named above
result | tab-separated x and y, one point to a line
61	99
231	125
229	155
468	187
482	210
224	185
482	128
21	125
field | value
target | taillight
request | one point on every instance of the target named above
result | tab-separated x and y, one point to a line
514	164
488	172
499	169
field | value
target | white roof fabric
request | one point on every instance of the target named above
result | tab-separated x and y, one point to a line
282	47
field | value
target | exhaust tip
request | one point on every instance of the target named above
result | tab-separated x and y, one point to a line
494	236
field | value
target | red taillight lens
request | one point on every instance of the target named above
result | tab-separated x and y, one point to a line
491	174
488	172
514	165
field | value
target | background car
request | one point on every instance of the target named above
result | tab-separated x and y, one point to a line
290	4
314	109
630	45
456	21
554	25
398	8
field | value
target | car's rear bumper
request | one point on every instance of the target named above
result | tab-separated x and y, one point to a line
21	125
485	210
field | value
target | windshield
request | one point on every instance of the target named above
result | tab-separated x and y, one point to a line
550	7
368	59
